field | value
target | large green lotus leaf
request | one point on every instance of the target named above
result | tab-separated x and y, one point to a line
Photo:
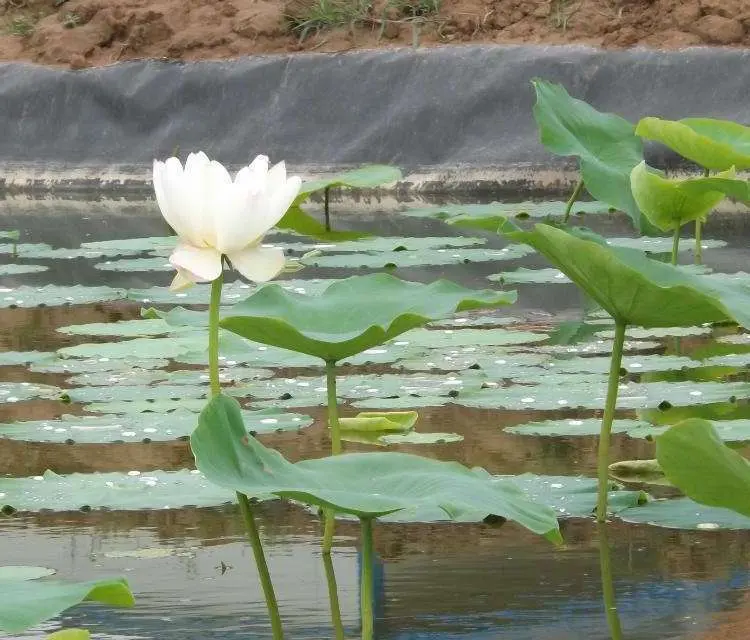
695	460
483	215
670	203
25	602
360	484
133	490
352	314
140	426
633	288
419	258
298	221
605	144
684	513
569	496
366	177
17	269
54	296
713	144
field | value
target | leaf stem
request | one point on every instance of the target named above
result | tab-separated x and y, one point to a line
213	335
326	210
333	597
609	414
260	561
699	231
366	587
245	507
675	244
572	200
608	586
333	407
333	423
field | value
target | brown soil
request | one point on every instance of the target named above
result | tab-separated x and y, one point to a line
82	33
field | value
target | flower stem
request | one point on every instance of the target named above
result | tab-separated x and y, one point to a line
245	507
333	423
609	414
213	336
366	588
675	244
608	586
572	200
333	597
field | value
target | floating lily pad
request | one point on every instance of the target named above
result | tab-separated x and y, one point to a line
139	426
16	269
380	421
11	392
25	602
133	490
359	484
569	427
415	437
96	365
379	307
160	405
639	471
427	257
532	209
536	276
24	357
390	244
141	348
135	264
55	296
633	364
296	220
122	329
663	245
684	513
132	246
637	333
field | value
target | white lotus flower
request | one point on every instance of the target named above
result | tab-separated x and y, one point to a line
215	216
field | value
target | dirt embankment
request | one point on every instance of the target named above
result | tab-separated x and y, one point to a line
81	33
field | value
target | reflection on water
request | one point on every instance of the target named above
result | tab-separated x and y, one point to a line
194	576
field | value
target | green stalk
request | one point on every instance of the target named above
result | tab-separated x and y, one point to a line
260	560
609	414
699	232
333	423
675	244
326	194
333	407
245	507
213	336
608	586
366	588
333	597
572	200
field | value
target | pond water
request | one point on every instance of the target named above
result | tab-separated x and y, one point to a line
484	381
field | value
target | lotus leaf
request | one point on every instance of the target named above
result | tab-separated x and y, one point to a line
351	315
695	460
55	296
605	144
17	269
298	221
670	203
684	513
483	214
713	144
381	421
366	177
639	471
359	484
25	602
634	289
